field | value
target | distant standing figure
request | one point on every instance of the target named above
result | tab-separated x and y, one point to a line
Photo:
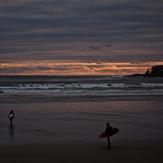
108	131
11	117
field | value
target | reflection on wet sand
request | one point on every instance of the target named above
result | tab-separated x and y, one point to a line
11	130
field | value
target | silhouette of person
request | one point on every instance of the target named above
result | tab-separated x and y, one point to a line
108	131
11	117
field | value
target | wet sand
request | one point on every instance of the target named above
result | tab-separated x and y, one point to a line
126	151
68	131
49	99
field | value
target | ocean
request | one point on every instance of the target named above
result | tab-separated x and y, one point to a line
43	114
81	86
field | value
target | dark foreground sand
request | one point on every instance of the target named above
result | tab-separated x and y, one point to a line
126	151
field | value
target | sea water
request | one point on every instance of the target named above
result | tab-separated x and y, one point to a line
71	86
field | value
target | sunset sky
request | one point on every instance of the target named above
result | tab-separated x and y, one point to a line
80	37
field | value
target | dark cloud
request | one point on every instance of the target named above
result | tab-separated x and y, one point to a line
105	30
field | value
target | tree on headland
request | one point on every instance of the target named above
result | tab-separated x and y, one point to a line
155	71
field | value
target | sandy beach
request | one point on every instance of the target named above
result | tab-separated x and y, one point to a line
123	151
67	131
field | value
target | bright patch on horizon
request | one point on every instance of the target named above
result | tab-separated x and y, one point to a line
74	68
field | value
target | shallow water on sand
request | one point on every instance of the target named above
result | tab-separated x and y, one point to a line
81	121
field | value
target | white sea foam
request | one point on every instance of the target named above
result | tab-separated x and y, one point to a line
152	84
86	86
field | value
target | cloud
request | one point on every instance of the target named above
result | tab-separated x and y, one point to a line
86	31
74	68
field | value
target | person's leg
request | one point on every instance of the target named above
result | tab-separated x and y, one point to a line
10	121
109	143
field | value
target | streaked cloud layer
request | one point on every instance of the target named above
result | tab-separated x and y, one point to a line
79	31
74	68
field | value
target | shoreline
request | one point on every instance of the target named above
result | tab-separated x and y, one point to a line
47	99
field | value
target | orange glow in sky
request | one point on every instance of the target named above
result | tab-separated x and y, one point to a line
74	68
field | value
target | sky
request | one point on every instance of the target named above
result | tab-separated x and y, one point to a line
80	37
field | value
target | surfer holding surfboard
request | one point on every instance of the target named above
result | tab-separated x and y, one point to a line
109	131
